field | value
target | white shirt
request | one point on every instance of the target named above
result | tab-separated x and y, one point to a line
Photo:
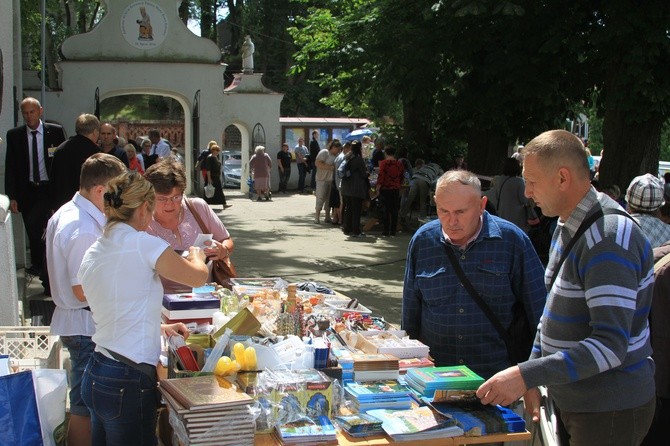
70	232
120	281
162	149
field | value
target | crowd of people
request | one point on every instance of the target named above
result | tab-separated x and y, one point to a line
592	311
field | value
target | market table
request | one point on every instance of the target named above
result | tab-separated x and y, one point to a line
344	439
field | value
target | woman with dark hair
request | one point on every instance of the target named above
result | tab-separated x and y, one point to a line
508	195
355	187
174	220
120	279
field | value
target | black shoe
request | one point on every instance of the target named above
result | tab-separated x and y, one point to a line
385	234
226	206
33	271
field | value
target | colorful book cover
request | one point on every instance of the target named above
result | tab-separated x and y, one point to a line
359	422
417	423
308	428
372	390
452	377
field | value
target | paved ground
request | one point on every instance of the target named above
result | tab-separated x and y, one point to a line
279	239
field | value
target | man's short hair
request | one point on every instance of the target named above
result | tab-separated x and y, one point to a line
463	177
154	133
86	124
558	148
98	169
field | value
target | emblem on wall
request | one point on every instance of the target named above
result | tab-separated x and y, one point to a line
144	25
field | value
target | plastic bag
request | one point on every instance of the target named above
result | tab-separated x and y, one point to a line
19	415
51	392
209	191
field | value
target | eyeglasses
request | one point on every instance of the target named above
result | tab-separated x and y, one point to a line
173	199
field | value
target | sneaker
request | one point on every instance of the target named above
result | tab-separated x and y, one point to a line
361	235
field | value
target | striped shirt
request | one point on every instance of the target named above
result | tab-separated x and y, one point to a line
593	348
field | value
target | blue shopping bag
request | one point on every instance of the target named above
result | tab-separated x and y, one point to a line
19	417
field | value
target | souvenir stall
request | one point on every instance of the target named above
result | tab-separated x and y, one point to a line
270	362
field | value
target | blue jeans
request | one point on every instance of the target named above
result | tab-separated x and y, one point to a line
81	349
302	172
123	402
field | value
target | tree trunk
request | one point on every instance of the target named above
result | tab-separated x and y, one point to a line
417	127
631	148
487	150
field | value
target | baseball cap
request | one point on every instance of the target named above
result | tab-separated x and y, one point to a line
645	193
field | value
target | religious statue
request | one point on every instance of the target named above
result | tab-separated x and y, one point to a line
146	30
247	55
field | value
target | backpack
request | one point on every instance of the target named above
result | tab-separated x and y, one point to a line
343	171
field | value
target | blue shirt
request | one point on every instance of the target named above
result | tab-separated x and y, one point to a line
501	264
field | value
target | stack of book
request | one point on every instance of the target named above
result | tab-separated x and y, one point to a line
346	360
413	363
416	424
427	380
360	425
387	394
375	367
207	410
189	307
309	431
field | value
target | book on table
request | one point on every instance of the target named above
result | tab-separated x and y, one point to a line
377	390
421	423
428	379
360	423
204	392
478	419
318	430
191	301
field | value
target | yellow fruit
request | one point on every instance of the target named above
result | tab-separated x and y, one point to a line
250	360
222	366
238	349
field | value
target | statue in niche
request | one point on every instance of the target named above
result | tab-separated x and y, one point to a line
146	31
247	52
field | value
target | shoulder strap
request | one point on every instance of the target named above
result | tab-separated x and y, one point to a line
190	207
661	263
586	224
476	296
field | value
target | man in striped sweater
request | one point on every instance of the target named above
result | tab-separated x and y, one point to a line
592	347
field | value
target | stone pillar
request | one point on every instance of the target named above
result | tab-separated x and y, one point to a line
9	296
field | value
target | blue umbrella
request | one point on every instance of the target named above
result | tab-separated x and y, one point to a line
358	134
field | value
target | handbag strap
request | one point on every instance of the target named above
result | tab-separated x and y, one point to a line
190	207
586	224
476	296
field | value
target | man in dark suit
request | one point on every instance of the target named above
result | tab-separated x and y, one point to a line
30	150
70	156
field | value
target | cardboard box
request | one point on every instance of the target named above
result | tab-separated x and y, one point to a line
386	342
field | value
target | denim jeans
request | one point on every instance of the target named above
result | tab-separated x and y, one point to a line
302	172
122	401
80	348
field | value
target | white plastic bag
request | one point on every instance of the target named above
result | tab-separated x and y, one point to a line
51	392
209	191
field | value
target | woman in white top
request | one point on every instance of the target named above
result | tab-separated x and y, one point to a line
120	278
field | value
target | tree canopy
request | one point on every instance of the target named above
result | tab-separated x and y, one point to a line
446	76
